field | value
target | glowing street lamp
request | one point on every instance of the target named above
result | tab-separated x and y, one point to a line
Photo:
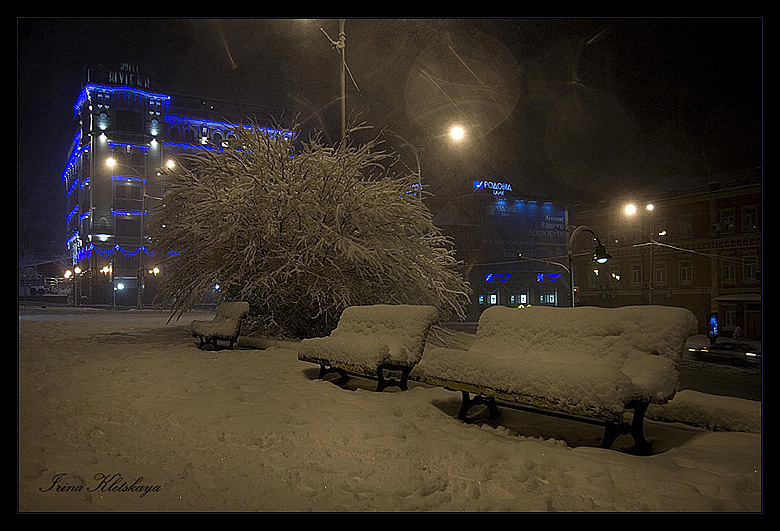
457	133
631	210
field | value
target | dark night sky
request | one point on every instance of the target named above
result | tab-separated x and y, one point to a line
564	109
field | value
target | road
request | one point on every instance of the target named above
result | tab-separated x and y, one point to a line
718	379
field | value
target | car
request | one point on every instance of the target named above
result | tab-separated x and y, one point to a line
728	352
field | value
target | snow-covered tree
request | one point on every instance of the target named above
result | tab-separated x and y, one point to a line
301	231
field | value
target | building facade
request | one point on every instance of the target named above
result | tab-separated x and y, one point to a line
513	248
699	249
127	132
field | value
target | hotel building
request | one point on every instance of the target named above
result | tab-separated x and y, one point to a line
127	132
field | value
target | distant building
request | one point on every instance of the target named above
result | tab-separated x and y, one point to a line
512	247
698	248
123	120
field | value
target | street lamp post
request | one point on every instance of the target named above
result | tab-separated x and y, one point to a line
631	210
341	47
600	254
456	134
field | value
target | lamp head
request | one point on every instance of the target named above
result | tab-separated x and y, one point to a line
601	255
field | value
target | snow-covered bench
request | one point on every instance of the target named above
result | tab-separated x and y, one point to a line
584	363
380	341
225	326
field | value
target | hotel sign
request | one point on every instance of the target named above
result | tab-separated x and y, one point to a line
129	75
126	74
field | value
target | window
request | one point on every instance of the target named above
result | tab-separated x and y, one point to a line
728	270
686	227
750	267
127	196
686	272
593	277
727	221
749	219
128	226
129	121
729	315
660	274
636	274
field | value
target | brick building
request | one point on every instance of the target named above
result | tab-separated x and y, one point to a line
698	248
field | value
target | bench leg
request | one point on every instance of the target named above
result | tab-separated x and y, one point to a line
384	383
641	445
326	369
467	403
636	429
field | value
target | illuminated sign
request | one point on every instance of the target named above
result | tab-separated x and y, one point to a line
545	277
495	187
497	277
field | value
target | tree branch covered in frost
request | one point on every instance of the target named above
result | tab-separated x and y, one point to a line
302	234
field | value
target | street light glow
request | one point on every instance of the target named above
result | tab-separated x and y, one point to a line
457	132
630	209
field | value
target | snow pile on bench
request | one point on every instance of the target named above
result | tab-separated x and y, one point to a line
226	325
589	357
369	336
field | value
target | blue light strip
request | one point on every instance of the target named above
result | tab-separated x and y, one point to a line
128	178
74	156
86	252
126	213
71	214
166	99
85	92
73	187
185	121
182	145
131	146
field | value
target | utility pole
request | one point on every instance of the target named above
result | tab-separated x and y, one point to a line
341	46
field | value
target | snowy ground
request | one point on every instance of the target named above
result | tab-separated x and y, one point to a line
172	428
